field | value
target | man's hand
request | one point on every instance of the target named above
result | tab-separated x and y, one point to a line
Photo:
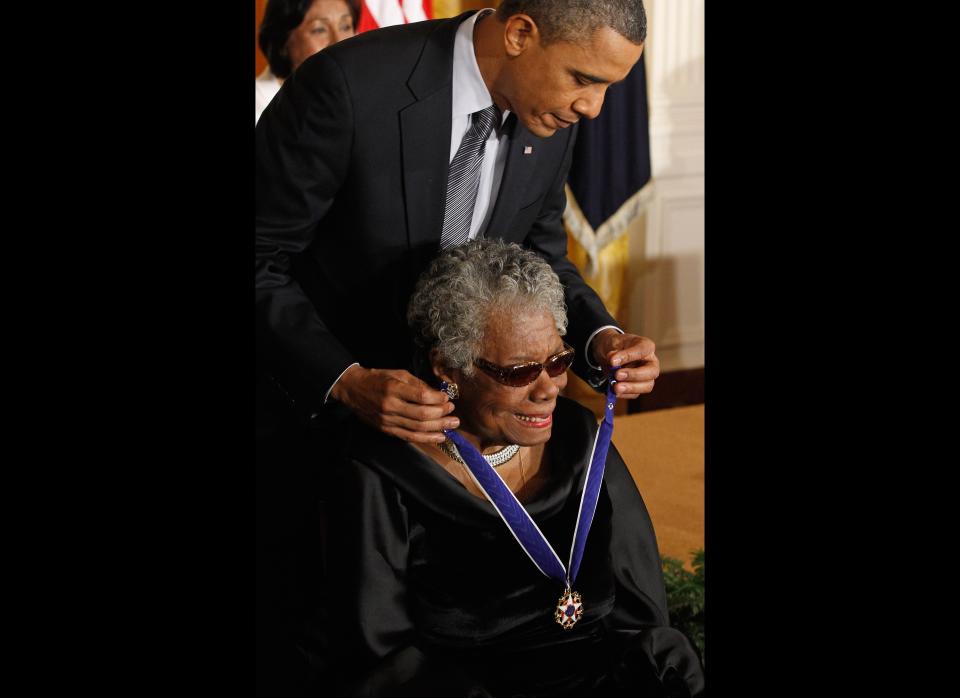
396	403
639	365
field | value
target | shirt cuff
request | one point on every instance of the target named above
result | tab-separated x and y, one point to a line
586	354
327	396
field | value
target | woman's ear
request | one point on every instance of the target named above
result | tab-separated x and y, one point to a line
440	370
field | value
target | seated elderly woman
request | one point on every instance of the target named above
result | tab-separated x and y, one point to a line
438	590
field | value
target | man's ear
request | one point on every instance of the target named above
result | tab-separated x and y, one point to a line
520	33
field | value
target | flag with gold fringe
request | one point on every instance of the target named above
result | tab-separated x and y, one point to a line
607	191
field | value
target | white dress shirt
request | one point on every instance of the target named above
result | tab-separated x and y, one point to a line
267	86
470	95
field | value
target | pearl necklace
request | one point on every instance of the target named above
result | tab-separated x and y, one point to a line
494	459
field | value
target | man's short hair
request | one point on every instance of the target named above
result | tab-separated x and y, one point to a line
577	20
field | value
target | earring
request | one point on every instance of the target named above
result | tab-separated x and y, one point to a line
451	389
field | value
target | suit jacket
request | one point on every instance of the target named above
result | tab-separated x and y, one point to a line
352	162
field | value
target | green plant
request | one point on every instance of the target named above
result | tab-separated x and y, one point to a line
685	597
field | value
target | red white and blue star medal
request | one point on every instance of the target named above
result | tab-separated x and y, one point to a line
569	607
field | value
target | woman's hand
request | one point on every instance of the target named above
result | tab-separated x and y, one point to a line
397	403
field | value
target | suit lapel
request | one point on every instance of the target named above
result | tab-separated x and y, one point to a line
426	154
516	174
425	134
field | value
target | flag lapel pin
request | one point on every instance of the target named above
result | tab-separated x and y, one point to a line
527	149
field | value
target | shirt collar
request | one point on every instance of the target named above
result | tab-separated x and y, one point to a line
470	93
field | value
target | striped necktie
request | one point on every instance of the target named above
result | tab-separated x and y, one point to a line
464	179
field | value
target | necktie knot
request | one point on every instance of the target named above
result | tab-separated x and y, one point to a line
485	119
464	178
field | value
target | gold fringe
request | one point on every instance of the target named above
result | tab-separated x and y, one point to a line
593	242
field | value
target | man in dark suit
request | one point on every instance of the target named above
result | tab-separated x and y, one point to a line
352	163
353	172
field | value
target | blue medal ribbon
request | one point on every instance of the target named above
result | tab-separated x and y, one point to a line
518	521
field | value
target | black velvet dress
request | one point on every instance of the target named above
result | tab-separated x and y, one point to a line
430	594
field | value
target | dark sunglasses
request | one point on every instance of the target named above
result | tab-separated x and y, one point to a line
524	374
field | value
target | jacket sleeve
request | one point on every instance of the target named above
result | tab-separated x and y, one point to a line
303	144
548	237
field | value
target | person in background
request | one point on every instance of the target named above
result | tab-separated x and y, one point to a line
294	30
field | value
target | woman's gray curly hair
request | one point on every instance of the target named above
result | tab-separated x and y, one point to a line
460	290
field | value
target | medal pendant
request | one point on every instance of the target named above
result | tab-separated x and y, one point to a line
569	609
